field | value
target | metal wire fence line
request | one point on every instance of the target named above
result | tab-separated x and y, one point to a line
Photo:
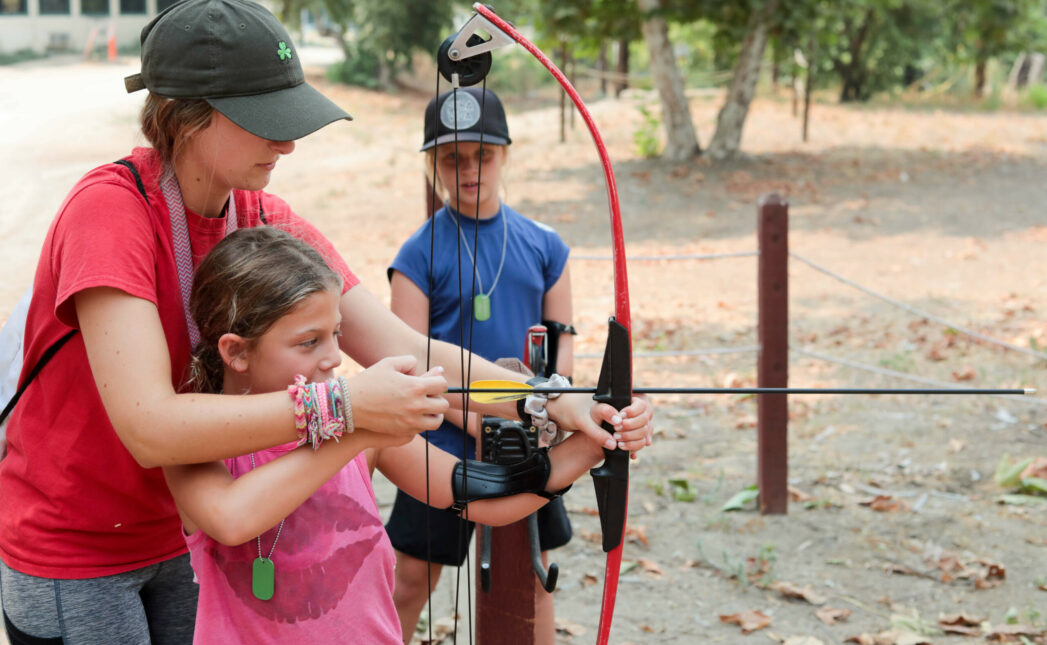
817	355
919	312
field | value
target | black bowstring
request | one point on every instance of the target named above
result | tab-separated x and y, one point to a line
465	364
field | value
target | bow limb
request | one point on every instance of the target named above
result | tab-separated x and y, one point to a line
615	383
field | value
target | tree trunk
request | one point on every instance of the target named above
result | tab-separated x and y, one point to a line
622	83
979	78
681	142
563	93
1034	75
601	64
729	122
1014	79
808	85
852	75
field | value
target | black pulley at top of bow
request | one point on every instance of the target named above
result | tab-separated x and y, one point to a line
471	70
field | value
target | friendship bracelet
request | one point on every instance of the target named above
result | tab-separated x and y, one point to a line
321	410
323	404
300	419
347	406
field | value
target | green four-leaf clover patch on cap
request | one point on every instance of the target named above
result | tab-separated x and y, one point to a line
239	58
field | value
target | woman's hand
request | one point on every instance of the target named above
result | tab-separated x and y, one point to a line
632	425
388	398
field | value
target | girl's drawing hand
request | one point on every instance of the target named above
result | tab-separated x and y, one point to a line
388	398
633	426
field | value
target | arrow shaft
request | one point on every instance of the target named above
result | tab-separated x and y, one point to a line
756	390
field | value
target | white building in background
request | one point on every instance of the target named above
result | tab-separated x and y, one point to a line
73	25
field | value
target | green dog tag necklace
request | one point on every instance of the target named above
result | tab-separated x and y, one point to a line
263	572
482	301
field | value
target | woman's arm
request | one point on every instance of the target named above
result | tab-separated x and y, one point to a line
405	466
411	305
364	317
128	354
233	511
131	365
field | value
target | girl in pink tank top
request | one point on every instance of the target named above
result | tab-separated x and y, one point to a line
287	543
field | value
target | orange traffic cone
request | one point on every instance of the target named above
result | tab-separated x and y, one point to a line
112	43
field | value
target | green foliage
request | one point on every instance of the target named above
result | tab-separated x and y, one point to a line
758	569
681	490
739	500
379	38
19	56
360	67
645	137
1036	97
1008	475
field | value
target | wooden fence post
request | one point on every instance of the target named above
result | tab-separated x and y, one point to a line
773	360
505	614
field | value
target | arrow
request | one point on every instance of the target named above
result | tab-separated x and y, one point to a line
494	391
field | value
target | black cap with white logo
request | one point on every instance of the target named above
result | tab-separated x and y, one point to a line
466	114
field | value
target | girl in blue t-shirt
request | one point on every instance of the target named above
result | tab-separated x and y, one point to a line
522	279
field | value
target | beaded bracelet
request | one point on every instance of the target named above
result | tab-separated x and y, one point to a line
347	405
321	410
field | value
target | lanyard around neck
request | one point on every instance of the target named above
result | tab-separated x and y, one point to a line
501	263
183	248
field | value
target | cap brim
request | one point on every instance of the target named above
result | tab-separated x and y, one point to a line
283	115
465	136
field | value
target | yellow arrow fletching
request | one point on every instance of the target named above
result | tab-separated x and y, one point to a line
521	390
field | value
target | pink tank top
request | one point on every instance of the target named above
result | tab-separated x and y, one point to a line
334	571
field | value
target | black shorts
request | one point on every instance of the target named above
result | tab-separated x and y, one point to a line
450	534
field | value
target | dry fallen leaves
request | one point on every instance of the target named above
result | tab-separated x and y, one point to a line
1036	468
966	373
790	590
886	504
1015	634
568	628
797	495
832	615
749	621
651	567
889	637
961	624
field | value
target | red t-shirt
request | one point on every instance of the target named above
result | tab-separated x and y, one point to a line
73	501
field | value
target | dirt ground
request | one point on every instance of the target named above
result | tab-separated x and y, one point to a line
895	519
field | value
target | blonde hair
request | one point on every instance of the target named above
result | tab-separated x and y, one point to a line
443	193
245	284
168	124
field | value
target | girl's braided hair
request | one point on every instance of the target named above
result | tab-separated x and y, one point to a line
245	284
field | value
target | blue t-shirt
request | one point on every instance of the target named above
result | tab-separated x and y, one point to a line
535	257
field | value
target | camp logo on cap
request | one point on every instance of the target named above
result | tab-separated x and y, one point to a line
468	112
284	51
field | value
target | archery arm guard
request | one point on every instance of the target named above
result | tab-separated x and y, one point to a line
480	480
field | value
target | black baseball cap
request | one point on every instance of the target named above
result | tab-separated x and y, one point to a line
475	111
239	58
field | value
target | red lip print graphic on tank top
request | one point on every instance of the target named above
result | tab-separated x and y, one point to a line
322	547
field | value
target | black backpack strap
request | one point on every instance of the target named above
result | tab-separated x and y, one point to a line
138	178
53	349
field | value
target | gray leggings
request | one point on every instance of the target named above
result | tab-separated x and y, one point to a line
154	605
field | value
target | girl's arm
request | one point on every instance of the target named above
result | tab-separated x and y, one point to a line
233	511
128	354
556	305
406	468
